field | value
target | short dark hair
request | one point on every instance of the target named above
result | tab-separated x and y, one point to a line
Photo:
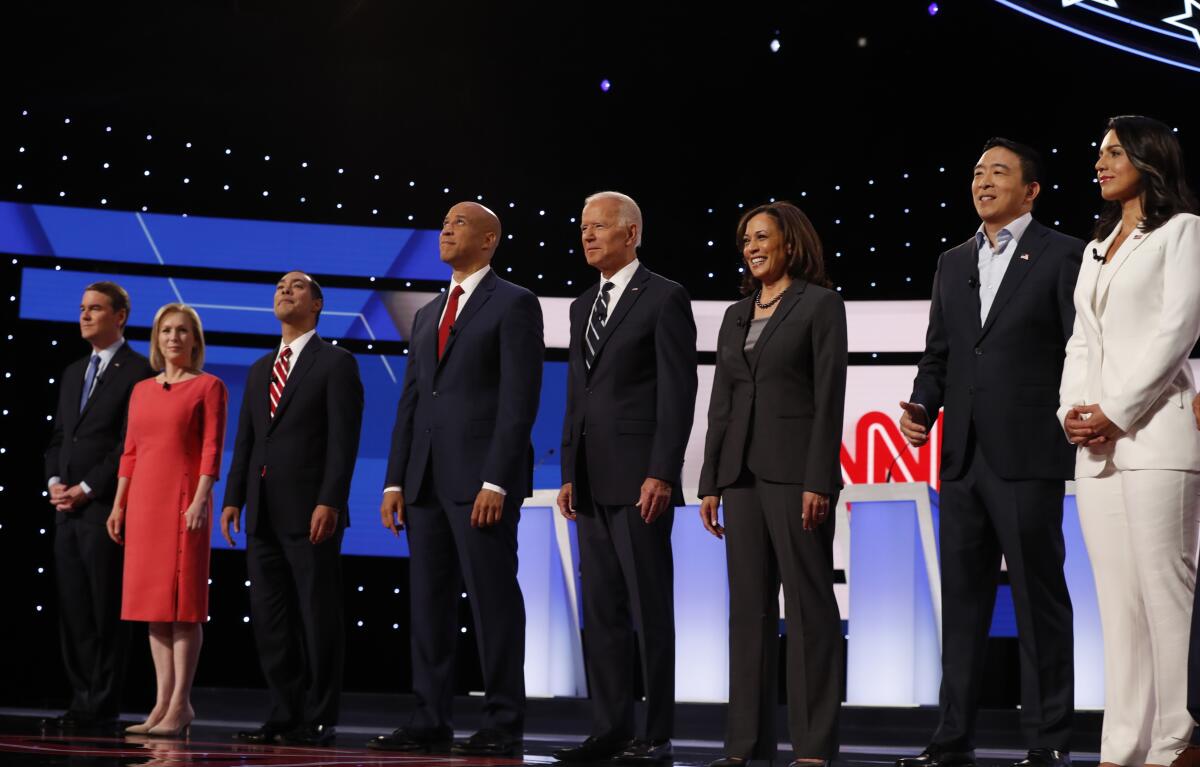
117	295
805	259
1152	148
1031	159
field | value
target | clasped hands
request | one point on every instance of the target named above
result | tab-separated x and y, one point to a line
1088	426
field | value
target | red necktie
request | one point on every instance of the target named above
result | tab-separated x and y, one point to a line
279	377
448	319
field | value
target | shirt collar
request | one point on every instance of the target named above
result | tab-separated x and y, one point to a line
471	282
297	345
106	355
1015	229
622	276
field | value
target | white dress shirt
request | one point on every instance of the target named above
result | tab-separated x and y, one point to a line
297	347
105	356
620	281
468	286
993	262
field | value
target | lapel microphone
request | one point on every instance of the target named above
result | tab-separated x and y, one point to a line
166	386
972	283
1096	256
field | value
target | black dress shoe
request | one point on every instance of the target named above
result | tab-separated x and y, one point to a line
939	756
75	721
310	735
489	742
593	749
639	751
414	739
1045	757
730	761
268	733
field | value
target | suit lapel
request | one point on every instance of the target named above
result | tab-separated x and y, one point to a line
113	369
973	279
1026	254
633	291
307	359
1132	243
478	297
786	304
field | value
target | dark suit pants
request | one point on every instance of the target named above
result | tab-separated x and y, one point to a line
983	516
627	576
299	626
444	553
88	568
766	544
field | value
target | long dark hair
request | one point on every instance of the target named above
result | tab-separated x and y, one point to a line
805	259
1154	150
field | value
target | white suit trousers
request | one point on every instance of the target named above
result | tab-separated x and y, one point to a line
1140	528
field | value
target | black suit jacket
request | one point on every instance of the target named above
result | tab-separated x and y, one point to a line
304	456
636	404
472	411
86	446
1002	375
780	411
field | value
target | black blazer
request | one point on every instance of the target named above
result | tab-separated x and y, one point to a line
1003	375
779	413
304	456
471	412
87	446
636	404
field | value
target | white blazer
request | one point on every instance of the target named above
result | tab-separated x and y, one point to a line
1136	320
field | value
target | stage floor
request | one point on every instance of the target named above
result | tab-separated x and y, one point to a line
24	743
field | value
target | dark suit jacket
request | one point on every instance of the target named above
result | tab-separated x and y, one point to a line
780	412
471	413
636	404
1003	375
87	446
304	456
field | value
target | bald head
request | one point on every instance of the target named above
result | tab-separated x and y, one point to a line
470	234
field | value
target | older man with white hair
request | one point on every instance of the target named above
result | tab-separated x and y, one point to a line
631	391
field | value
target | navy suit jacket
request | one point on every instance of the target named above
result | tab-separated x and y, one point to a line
1003	374
86	446
304	456
637	402
466	419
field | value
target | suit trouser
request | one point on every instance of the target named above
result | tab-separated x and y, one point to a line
766	544
88	567
627	575
1140	528
299	626
983	516
1193	668
444	553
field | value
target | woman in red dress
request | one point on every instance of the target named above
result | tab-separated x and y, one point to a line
162	512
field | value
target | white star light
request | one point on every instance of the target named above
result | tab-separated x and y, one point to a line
1180	21
1109	3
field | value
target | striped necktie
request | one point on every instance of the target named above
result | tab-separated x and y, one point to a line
599	316
279	376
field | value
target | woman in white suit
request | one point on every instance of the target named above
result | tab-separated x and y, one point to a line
1125	401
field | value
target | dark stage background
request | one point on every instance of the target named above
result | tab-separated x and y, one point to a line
868	115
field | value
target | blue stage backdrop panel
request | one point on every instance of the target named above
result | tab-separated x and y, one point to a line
155	238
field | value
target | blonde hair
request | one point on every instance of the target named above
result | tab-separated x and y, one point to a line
157	361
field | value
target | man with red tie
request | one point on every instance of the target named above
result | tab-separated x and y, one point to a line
461	463
297	441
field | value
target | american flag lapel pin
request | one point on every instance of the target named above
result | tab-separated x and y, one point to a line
633	290
1024	256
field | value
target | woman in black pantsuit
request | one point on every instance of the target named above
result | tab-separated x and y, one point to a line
772	451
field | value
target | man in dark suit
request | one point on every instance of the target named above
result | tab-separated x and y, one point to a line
1001	314
81	469
631	393
460	466
297	441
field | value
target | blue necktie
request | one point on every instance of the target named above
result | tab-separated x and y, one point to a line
89	381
